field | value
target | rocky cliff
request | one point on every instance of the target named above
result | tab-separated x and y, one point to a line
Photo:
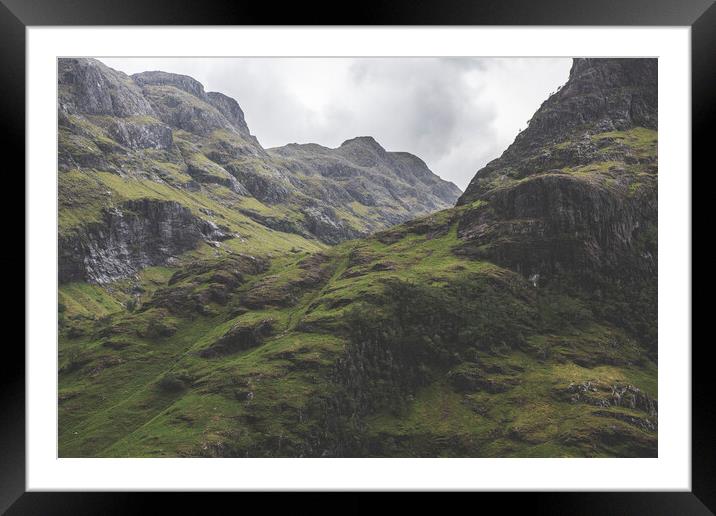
130	237
576	191
160	136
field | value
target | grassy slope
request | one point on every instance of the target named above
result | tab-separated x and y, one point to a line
126	392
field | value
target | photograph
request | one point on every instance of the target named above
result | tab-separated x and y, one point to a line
420	247
357	257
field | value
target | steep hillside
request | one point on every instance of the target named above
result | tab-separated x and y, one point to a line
152	166
576	193
521	322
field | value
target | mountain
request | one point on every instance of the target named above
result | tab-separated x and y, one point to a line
576	193
519	323
387	185
152	167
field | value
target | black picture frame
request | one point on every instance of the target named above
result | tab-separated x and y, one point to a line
16	15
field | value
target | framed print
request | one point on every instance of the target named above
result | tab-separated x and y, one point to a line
428	248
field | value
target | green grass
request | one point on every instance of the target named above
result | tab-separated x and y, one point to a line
81	198
94	301
641	139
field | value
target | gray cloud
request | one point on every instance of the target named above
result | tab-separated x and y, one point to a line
455	113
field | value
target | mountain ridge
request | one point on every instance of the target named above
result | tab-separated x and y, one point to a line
601	95
161	136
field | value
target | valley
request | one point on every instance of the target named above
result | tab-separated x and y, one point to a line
219	299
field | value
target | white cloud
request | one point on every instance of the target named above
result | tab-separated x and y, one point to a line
457	114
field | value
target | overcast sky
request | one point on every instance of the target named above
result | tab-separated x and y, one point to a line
457	114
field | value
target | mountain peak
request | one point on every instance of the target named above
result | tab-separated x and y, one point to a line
88	86
159	78
226	105
601	95
230	108
366	141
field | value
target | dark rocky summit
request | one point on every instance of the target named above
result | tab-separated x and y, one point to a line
601	96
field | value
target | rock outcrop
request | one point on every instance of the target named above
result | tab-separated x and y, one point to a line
130	237
143	134
553	223
88	86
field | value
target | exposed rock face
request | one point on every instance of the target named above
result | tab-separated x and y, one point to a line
227	107
576	191
361	170
136	235
268	185
183	111
150	135
323	222
556	222
88	86
182	82
613	94
606	395
230	109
